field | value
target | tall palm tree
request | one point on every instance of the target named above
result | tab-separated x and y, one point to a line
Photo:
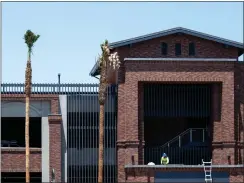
30	38
106	60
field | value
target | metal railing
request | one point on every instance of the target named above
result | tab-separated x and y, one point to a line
49	88
187	137
186	156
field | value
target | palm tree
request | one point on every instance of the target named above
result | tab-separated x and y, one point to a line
30	38
106	61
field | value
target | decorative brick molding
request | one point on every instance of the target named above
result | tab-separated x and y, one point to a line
229	144
21	97
55	119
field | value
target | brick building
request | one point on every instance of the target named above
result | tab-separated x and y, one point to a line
177	91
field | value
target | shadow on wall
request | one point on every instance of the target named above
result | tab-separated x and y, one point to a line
195	177
241	133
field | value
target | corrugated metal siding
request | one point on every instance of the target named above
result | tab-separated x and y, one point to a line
83	136
177	100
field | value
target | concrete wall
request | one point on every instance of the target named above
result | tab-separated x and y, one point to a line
63	109
45	149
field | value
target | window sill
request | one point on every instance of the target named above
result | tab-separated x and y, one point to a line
19	149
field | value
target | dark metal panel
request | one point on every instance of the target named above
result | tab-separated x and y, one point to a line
196	177
83	125
177	100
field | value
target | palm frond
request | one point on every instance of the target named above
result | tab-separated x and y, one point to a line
30	38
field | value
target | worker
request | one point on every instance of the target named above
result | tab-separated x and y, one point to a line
164	159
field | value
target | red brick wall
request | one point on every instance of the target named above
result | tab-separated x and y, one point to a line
224	137
140	176
55	145
204	48
13	160
236	177
239	108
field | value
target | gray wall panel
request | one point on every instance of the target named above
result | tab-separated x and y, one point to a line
17	109
45	149
63	108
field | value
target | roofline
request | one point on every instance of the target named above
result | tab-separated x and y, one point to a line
181	59
173	31
94	71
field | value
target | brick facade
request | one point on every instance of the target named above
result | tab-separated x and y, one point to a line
227	121
13	159
228	86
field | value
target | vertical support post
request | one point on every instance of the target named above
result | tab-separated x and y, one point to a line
190	135
179	141
203	135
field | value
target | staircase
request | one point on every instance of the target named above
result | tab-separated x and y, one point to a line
191	135
188	148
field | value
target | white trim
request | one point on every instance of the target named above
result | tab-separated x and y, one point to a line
180	59
45	150
63	109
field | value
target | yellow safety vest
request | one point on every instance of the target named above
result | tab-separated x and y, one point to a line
164	161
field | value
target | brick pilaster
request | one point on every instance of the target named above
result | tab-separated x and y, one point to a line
55	145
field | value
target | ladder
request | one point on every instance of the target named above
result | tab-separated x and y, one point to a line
208	171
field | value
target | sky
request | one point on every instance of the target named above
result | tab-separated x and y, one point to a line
71	32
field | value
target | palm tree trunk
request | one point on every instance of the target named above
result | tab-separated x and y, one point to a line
27	150
28	77
101	148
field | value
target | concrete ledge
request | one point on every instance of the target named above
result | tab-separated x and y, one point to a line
181	166
20	149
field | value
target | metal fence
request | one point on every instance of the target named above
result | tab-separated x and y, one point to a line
52	88
83	128
83	136
185	156
177	100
